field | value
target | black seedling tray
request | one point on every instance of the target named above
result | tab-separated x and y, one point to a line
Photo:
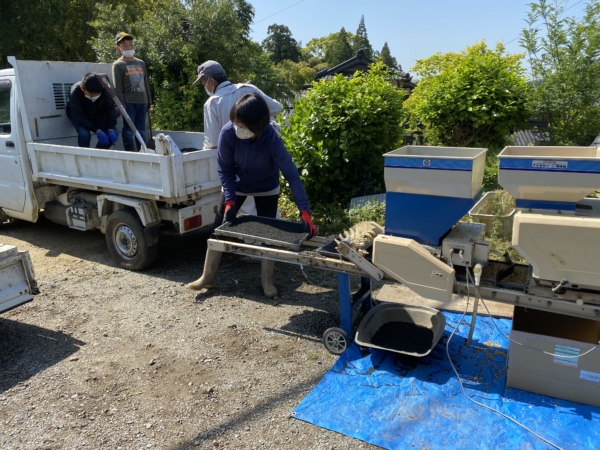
329	250
281	233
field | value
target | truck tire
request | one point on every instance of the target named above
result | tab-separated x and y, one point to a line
126	240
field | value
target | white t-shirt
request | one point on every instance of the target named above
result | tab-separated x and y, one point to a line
218	107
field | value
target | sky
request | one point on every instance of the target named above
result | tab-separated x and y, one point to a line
413	29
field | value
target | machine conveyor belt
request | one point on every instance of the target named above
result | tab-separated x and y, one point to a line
489	289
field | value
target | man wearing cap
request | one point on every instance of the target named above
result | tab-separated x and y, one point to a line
222	96
130	78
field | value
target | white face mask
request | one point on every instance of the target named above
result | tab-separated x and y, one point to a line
93	98
128	53
208	92
242	133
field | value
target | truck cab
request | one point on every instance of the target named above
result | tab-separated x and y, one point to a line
14	186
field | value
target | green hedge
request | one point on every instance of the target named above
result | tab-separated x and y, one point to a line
340	130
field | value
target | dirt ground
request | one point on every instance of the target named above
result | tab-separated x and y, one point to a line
111	359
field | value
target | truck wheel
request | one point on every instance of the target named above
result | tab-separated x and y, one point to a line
127	242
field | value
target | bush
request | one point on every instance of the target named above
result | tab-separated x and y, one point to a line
475	98
490	174
339	132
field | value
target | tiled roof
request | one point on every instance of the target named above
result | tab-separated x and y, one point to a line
359	59
530	137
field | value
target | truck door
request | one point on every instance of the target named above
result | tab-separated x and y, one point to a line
12	183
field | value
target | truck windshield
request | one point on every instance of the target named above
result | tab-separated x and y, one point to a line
5	86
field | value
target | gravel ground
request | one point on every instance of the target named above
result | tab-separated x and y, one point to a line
112	359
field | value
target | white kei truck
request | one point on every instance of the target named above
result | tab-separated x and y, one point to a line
128	196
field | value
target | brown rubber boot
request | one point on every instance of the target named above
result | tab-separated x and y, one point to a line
211	265
266	277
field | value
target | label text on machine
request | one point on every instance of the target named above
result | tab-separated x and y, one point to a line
549	164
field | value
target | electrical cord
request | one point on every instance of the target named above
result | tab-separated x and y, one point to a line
463	388
311	282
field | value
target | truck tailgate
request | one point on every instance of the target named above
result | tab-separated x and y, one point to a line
17	279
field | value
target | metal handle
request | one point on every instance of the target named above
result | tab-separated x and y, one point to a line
10	144
106	82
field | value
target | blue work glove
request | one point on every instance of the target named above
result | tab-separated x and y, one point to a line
102	137
113	136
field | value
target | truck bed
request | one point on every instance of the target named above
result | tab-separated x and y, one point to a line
169	178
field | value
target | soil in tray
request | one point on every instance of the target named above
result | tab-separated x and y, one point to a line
263	227
403	337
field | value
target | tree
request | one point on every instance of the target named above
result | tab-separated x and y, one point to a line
340	130
361	41
387	57
281	81
473	98
293	76
564	55
340	49
280	44
245	14
55	29
321	53
174	38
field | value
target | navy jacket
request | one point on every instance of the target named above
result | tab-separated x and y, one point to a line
253	167
91	115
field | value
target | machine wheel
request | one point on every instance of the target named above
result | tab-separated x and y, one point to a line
126	240
336	340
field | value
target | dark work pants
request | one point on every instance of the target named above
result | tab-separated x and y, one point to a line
137	112
266	206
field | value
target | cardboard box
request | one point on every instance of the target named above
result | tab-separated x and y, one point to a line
565	375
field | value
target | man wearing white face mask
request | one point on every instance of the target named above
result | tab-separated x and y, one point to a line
91	110
222	96
132	88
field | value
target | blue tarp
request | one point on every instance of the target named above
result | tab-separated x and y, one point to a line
397	402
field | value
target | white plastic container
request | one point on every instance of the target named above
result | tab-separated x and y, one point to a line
440	171
549	174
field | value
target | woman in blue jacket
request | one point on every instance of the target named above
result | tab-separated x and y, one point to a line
250	155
